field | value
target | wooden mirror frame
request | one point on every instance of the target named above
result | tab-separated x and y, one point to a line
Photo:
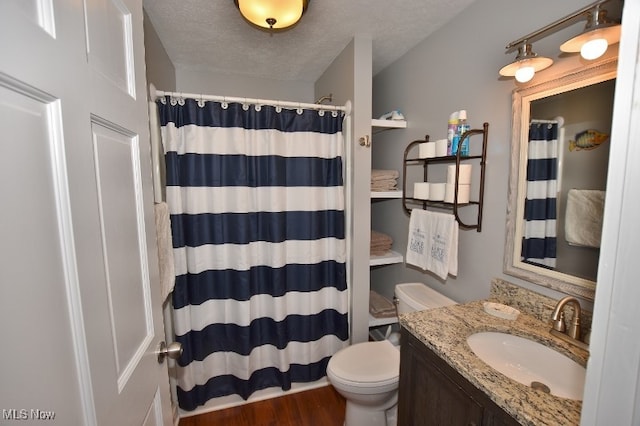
522	98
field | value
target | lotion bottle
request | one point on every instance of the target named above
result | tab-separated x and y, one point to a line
451	131
462	127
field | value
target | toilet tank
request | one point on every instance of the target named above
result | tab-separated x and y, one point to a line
418	297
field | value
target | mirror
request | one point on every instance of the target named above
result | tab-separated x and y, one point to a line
559	158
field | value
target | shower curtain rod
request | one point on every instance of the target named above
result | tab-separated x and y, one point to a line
559	119
285	104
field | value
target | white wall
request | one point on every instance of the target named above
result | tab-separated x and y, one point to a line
349	78
160	69
457	68
210	83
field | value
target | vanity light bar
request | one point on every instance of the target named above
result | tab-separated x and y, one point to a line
598	29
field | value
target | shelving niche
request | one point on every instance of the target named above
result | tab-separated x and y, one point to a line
391	257
411	159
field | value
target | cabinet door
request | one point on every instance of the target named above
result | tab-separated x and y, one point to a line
427	396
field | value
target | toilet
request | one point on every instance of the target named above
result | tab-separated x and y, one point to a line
366	374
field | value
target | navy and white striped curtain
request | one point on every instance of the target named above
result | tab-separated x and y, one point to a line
539	236
257	214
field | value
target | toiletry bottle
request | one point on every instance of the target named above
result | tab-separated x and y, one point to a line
451	131
458	144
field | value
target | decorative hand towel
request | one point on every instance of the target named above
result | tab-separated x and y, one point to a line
583	217
433	242
165	249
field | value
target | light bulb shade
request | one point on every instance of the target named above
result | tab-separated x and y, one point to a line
598	27
272	14
537	63
610	34
526	64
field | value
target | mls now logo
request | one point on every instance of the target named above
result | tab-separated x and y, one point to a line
15	414
24	414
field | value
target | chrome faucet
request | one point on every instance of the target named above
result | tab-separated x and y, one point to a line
559	328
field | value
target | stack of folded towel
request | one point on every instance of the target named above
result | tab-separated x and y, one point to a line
380	243
384	180
380	306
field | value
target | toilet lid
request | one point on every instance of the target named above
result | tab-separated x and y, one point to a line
368	362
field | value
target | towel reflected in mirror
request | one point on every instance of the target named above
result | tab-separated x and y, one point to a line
583	217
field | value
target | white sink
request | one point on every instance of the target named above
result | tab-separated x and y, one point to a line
530	363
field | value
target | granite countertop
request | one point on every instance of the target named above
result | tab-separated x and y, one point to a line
445	331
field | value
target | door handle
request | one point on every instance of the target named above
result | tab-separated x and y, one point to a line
173	351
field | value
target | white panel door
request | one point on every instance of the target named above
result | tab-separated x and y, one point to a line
80	307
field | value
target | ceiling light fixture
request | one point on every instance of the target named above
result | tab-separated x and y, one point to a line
526	64
272	14
599	33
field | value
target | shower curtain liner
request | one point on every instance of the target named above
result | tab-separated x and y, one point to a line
539	239
257	216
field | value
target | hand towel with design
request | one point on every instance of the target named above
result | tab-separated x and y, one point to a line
433	242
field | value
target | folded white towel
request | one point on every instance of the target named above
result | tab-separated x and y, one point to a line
433	242
380	174
165	249
380	306
583	217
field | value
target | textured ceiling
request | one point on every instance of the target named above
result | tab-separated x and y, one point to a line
211	35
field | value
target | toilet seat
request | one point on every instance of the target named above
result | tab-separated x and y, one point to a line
366	365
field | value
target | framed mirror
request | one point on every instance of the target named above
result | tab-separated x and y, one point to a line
559	159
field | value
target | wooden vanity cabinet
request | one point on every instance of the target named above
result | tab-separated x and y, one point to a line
431	392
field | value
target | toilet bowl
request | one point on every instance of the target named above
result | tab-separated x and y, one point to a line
366	374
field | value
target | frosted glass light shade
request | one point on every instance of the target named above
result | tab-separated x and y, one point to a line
610	34
272	14
526	64
524	69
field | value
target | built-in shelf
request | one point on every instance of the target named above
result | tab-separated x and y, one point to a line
378	322
388	124
386	259
377	325
386	194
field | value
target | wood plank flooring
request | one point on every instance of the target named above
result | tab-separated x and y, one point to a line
317	407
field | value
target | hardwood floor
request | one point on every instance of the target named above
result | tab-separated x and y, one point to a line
317	407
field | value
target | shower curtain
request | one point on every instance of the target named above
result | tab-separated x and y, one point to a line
539	239
257	216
